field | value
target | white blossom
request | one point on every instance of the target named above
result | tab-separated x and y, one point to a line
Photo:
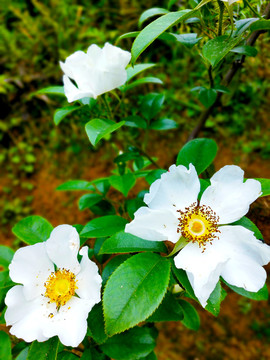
230	2
213	248
95	72
56	292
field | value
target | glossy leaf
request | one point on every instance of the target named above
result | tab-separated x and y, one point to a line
151	105
142	81
168	310
163	124
23	354
97	129
6	255
96	324
207	97
135	121
61	113
55	90
130	345
262	294
137	69
261	25
33	229
140	280
199	152
245	50
44	350
150	13
5	347
182	278
103	226
88	200
113	265
215	299
265	183
72	185
248	224
216	49
243	24
191	318
123	183
188	40
123	242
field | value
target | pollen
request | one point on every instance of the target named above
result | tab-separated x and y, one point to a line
198	224
60	287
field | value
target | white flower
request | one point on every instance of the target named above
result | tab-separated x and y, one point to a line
230	2
95	72
212	249
57	291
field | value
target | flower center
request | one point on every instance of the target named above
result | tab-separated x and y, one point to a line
198	224
60	287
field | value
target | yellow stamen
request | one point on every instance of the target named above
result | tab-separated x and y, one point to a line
198	224
60	287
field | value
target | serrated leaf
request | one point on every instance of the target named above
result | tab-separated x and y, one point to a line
265	183
199	152
248	224
103	226
207	97
150	13
97	129
61	113
137	69
191	318
6	255
216	49
245	50
142	279
123	183
113	265
130	345
44	350
5	348
262	294
123	242
168	310
96	324
88	200
163	124
33	229
215	299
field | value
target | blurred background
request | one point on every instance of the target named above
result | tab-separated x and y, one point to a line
36	156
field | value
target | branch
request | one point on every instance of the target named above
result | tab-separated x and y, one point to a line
227	79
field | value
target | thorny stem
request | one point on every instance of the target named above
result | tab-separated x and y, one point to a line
228	78
220	21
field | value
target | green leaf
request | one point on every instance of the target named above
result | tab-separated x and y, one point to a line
188	40
199	152
140	280
6	255
72	185
182	278
142	81
44	350
61	113
135	121
245	50
248	224
137	69
67	355
150	13
5	348
155	29
103	226
216	49
243	25
151	356
207	97
168	310
163	124
127	36
88	200
123	183
130	345
97	129
260	25
113	265
262	294
154	175
96	324
123	242
33	229
55	90
151	105
191	318
23	354
265	183
215	299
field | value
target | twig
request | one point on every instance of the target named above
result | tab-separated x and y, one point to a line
227	79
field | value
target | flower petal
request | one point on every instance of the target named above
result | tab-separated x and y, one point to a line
246	257
203	267
28	318
228	196
72	62
70	322
62	248
175	190
155	225
31	267
88	279
73	93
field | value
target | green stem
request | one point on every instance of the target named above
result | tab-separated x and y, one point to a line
254	11
220	21
107	105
